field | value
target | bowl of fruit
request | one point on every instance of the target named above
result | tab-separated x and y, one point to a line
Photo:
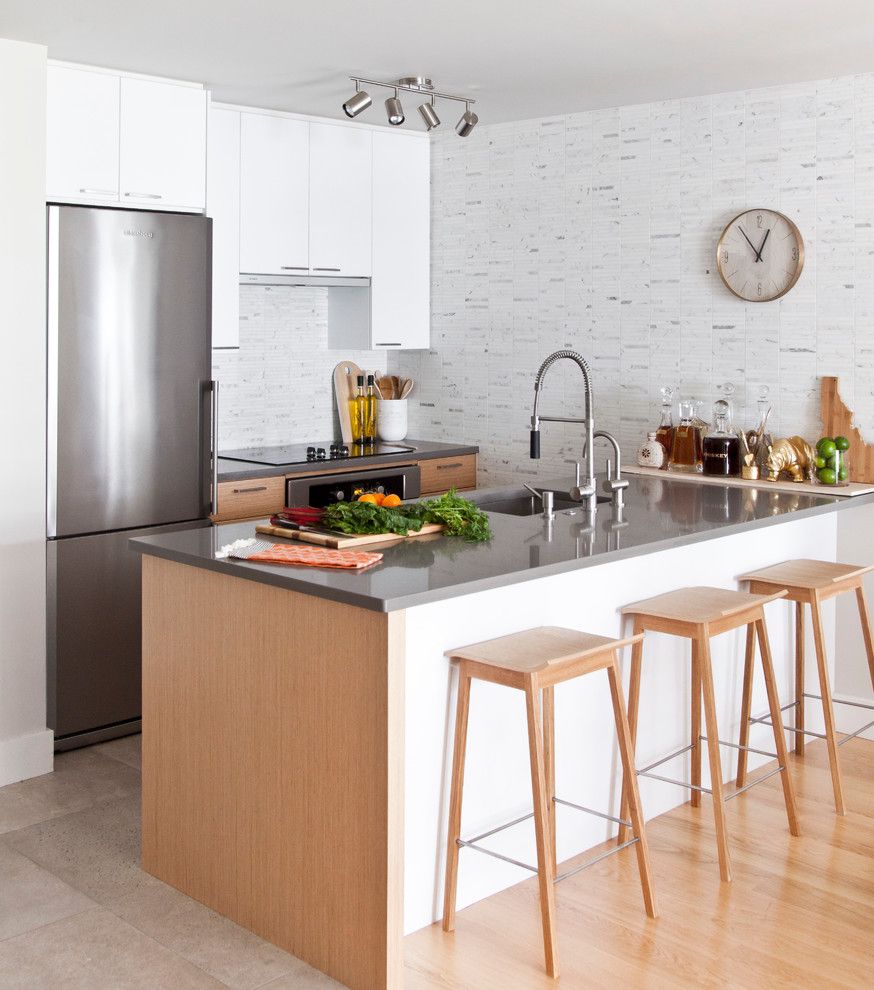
831	461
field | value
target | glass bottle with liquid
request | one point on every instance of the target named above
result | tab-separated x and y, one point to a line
721	449
369	418
687	449
356	411
665	432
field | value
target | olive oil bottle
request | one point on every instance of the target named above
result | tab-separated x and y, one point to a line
356	412
369	412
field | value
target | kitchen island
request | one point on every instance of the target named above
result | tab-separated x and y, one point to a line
297	722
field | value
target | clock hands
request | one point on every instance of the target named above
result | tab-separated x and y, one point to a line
758	253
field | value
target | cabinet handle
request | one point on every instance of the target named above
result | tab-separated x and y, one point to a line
139	195
245	491
294	268
326	269
99	192
446	467
390	344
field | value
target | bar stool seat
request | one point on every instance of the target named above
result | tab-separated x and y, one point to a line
698	614
535	661
810	582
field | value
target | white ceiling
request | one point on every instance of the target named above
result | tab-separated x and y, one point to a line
518	59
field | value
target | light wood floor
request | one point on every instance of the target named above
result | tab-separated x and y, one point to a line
799	914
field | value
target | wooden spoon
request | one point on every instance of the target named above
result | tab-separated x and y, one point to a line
386	389
406	388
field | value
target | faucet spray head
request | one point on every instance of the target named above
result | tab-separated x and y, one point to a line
534	449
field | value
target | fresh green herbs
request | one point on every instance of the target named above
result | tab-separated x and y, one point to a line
459	515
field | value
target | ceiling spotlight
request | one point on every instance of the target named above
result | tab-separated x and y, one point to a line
467	122
355	104
429	115
393	110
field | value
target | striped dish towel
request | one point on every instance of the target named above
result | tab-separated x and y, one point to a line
306	556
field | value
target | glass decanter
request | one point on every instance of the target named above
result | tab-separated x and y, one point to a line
665	432
721	448
687	450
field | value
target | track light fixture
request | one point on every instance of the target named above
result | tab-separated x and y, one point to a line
395	111
429	115
355	104
466	123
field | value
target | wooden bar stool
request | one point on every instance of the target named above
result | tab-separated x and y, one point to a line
809	582
535	661
698	614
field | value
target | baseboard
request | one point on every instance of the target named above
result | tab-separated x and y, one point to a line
849	719
26	756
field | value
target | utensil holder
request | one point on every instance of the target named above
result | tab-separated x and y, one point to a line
391	419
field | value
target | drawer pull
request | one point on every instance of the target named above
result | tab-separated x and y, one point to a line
246	491
99	192
294	268
446	467
394	343
317	269
143	195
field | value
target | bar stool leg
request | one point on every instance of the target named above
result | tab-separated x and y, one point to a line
799	678
828	712
696	725
865	618
633	707
745	707
713	753
549	766
626	751
779	732
541	827
455	798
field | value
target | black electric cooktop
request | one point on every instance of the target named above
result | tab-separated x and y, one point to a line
313	453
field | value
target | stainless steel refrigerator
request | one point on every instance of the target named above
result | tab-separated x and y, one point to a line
130	435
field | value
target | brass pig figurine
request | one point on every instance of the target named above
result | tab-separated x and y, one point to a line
794	456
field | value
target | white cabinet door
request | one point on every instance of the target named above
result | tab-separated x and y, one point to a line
223	205
163	145
82	135
340	200
401	285
274	189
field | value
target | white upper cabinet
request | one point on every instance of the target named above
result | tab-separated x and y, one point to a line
163	144
124	140
223	206
274	195
401	285
340	200
82	135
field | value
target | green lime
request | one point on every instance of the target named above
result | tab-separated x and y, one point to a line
827	476
842	443
844	473
833	462
826	447
819	461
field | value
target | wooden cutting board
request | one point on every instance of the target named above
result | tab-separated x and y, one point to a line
837	421
345	542
839	491
345	375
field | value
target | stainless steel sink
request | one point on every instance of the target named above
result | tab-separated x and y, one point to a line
528	505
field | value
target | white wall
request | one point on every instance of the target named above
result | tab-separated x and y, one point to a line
598	231
25	743
277	387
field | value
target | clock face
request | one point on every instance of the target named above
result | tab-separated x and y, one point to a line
760	255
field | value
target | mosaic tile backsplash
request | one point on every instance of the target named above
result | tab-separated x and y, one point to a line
277	387
597	231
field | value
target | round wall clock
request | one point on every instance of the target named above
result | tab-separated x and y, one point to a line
760	255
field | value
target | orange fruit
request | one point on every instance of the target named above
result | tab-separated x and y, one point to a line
391	502
369	497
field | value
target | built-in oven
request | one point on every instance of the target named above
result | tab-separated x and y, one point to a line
347	486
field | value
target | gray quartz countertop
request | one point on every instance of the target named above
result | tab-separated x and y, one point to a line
659	514
235	470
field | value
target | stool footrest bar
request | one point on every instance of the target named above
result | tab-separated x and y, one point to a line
752	783
595	859
496	855
766	720
839	701
591	811
746	749
665	759
670	780
500	828
852	735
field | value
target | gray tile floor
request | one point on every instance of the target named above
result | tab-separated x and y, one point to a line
77	912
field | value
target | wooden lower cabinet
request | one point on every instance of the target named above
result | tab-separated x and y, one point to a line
442	473
250	499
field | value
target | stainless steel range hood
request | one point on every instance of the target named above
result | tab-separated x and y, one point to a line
324	281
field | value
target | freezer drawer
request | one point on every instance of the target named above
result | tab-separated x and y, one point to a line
94	630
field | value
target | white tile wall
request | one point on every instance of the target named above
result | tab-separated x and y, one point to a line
598	230
277	387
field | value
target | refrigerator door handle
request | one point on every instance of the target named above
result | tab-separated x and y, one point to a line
213	443
52	376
